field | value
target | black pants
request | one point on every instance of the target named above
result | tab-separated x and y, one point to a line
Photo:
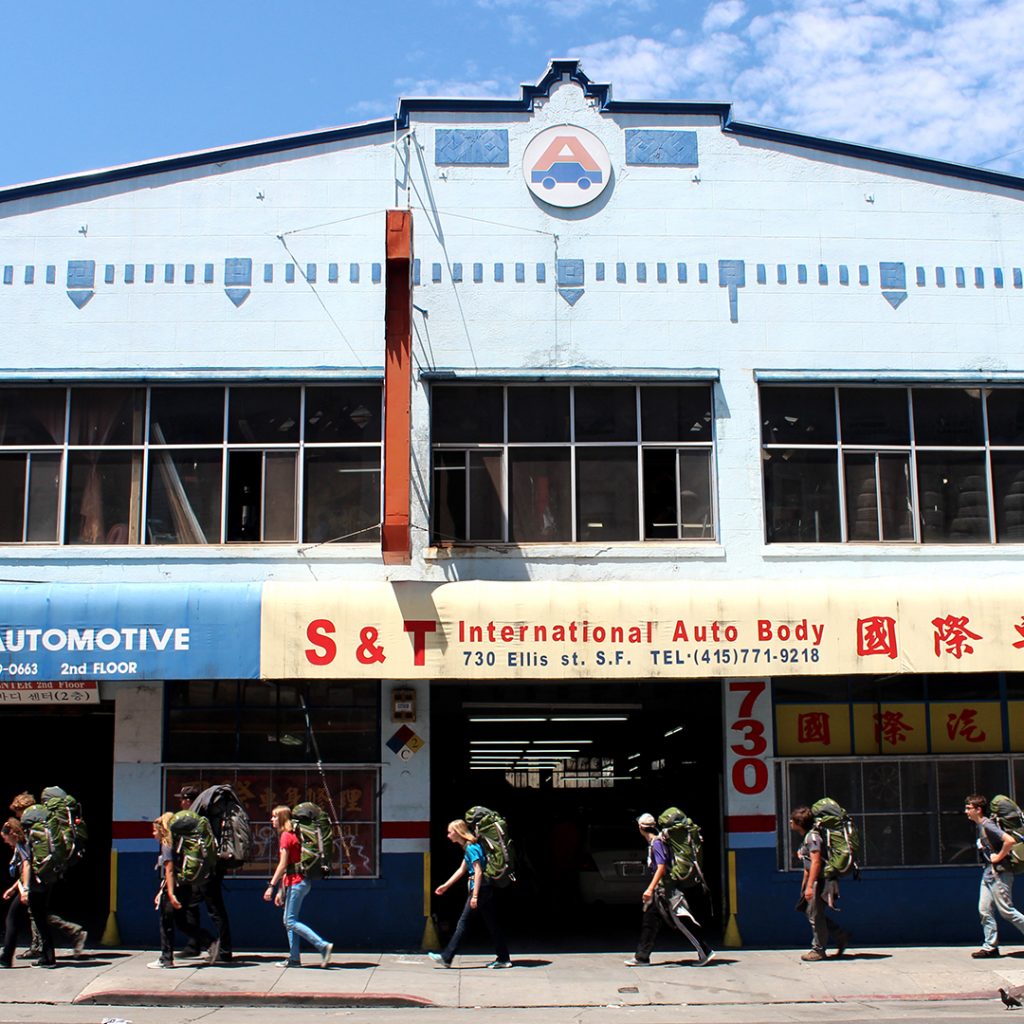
212	894
658	911
38	905
485	904
186	919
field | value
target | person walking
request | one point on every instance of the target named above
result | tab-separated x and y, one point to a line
480	897
294	889
26	891
996	890
75	934
661	906
816	895
173	900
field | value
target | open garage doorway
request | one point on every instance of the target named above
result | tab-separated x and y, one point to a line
571	766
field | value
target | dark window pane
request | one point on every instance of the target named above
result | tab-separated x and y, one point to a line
245	497
107	416
947	416
350	412
184	497
676	413
606	498
104	492
881	785
897	502
874	416
449	496
43	497
538	414
798	415
343	496
1008	483
186	415
32	416
12	498
863	474
257	415
605	413
661	514
485	496
279	512
954	501
695	494
881	840
861	497
1006	416
801	495
541	501
466	415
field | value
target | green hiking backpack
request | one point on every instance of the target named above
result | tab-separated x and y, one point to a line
1008	816
840	839
47	841
316	839
686	845
491	830
66	813
195	849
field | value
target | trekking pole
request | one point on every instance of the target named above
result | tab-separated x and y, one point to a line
323	775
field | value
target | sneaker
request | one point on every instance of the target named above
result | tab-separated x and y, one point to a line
438	959
499	964
213	952
813	955
325	955
79	947
985	953
157	965
288	963
842	941
705	958
633	962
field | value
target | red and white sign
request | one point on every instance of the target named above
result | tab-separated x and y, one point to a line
749	782
78	691
566	166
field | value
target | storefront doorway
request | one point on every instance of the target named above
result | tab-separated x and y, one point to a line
70	747
571	766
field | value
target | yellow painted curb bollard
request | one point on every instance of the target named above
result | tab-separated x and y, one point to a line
111	936
732	939
430	940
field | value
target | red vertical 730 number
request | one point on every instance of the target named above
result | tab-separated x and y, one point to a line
749	772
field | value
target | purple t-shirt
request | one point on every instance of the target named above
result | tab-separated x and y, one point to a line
657	853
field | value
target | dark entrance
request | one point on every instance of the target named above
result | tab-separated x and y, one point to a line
571	766
72	748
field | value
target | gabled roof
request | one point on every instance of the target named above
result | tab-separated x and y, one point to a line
557	71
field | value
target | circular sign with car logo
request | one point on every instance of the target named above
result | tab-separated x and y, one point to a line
566	166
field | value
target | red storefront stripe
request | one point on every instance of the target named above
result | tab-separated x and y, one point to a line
405	829
132	830
750	823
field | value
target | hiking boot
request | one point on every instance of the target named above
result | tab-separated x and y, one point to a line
842	941
45	963
813	955
499	964
985	953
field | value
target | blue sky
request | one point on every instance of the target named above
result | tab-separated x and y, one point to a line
88	85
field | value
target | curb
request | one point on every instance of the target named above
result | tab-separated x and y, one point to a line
326	1000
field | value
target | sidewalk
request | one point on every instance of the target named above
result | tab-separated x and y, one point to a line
734	978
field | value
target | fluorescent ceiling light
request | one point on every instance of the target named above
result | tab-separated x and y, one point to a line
632	757
539	743
491	743
672	732
490	767
589	718
505	719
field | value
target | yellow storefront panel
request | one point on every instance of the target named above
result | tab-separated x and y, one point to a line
964	727
806	730
890	729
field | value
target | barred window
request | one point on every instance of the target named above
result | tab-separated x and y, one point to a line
190	464
562	463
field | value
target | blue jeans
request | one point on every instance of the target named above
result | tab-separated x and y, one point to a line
293	897
997	892
485	904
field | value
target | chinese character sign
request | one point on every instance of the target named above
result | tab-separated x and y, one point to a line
804	730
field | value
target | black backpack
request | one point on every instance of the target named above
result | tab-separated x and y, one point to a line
230	824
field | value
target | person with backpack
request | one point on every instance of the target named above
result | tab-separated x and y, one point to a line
26	891
173	900
996	892
480	897
661	906
816	893
74	932
294	889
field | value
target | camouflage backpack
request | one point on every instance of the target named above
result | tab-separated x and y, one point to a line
1008	816
491	830
316	839
686	845
195	849
840	839
48	842
66	813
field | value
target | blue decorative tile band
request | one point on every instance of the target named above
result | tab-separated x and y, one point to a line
651	146
471	146
81	273
569	273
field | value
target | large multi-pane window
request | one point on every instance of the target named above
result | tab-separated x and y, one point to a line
547	463
190	464
912	464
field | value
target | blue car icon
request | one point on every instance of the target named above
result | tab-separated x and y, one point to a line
566	171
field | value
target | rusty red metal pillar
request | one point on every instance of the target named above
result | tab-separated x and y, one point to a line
395	539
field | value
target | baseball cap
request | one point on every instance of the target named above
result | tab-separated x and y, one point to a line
187	793
646	821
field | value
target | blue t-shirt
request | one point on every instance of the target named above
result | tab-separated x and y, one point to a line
473	853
